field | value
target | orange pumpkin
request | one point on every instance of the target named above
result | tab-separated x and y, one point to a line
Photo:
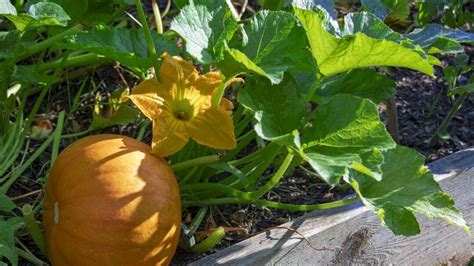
109	201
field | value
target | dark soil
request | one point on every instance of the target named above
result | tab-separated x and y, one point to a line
415	93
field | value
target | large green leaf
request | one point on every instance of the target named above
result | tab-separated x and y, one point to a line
40	14
9	41
127	46
407	187
400	10
28	75
7	239
363	83
278	109
343	128
370	25
336	55
428	9
273	44
206	26
90	12
389	10
7	8
376	7
428	35
327	5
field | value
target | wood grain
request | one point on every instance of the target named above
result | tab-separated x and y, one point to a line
353	235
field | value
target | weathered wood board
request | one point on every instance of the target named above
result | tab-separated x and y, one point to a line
353	235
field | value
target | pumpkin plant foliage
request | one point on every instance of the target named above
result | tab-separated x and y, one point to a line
241	102
341	137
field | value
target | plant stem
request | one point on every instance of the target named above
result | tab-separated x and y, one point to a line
392	119
312	90
77	134
242	142
197	220
216	101
273	204
210	242
435	103
188	176
234	12
195	162
33	227
19	4
80	60
142	130
149	40
29	257
57	137
156	12
17	173
444	125
274	180
48	42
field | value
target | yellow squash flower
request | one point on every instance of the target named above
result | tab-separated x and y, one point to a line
180	107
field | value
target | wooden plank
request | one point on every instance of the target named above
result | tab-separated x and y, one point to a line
353	235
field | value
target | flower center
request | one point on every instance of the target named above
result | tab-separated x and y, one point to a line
182	110
181	115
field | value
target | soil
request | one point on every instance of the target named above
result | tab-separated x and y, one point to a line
415	93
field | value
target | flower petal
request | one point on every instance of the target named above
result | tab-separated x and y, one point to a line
227	105
169	135
149	97
213	128
209	83
176	70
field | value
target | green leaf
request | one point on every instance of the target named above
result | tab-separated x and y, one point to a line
274	43
9	41
343	128
7	239
206	26
6	204
322	42
6	8
326	5
40	14
376	7
180	3
271	4
127	46
445	45
427	10
363	83
28	75
115	112
335	55
400	10
407	187
370	25
428	35
362	51
90	12
278	109
371	164
468	88
75	9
